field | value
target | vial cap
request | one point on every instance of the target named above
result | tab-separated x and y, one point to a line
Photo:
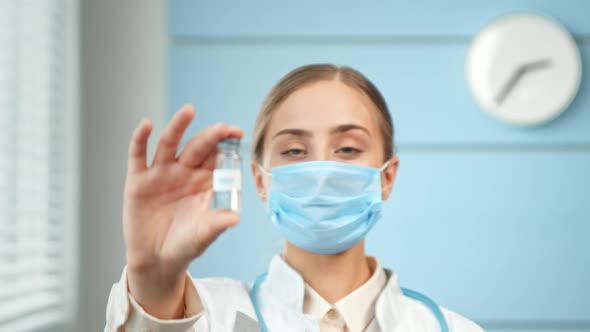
229	144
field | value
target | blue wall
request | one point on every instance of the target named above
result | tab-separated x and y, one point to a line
491	220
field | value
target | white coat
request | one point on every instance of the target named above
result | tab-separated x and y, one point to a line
227	307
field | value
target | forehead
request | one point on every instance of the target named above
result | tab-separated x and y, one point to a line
324	104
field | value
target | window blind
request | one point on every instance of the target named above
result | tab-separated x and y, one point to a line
38	167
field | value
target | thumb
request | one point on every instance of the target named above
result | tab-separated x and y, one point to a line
212	224
219	219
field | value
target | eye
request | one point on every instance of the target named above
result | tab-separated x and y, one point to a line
293	152
348	150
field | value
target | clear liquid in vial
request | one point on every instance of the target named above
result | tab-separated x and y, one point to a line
227	176
228	199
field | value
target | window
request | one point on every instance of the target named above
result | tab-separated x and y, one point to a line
38	164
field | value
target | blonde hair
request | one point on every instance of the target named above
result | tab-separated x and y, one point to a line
308	74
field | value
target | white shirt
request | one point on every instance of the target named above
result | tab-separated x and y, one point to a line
214	304
352	313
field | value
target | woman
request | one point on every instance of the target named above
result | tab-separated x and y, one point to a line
323	162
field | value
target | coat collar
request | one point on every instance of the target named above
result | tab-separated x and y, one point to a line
287	286
285	283
389	309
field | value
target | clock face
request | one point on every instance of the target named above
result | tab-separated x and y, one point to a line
523	69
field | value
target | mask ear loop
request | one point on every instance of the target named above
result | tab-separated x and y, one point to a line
384	167
263	170
267	173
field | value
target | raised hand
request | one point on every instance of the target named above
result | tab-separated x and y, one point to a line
167	218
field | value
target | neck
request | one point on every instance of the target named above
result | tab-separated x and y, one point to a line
331	276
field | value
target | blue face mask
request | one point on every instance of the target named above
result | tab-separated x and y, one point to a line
324	207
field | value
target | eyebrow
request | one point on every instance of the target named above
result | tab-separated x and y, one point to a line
296	132
346	127
336	130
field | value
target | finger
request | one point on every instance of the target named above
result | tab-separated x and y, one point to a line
209	162
138	147
200	181
202	145
172	135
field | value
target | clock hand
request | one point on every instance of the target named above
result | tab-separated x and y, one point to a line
510	84
540	64
523	69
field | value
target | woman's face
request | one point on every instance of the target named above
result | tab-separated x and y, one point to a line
326	120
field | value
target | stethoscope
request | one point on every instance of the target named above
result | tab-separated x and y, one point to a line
407	292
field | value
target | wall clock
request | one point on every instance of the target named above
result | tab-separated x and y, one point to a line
523	69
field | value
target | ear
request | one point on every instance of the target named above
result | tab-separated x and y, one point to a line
388	177
259	181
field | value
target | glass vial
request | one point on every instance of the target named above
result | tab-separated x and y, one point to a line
227	176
